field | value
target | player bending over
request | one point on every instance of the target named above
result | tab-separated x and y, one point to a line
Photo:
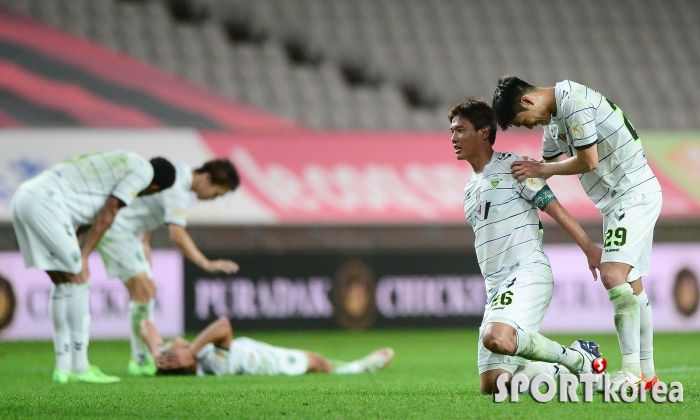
215	352
87	191
126	250
519	283
603	147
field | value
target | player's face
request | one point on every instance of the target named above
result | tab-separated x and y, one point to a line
208	191
465	139
535	114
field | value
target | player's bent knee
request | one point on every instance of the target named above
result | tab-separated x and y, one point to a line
499	344
500	339
613	274
141	288
317	363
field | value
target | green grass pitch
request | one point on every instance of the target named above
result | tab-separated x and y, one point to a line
434	376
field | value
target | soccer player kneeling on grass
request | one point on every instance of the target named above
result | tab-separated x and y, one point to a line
126	250
86	192
215	352
508	230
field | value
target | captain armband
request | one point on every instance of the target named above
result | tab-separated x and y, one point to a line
543	197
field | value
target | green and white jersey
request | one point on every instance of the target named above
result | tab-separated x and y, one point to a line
503	214
85	183
584	119
246	356
149	213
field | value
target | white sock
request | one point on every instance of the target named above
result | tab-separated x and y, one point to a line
535	346
626	308
78	315
349	368
535	368
137	312
646	336
61	331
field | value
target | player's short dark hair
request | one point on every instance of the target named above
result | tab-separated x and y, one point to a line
222	172
506	99
478	112
163	173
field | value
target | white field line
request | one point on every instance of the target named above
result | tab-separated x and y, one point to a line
679	369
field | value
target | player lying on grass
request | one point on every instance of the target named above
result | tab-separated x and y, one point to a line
508	244
603	148
125	247
215	352
84	193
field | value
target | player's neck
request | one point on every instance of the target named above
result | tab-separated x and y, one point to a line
549	99
480	161
195	179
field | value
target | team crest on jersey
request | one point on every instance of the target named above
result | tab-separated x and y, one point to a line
576	130
495	180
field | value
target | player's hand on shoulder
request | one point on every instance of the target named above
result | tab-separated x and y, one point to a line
221	266
524	169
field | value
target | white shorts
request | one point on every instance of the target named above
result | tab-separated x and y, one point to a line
45	232
628	232
123	255
521	302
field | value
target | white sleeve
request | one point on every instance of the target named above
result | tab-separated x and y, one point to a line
212	360
579	118
175	203
136	178
550	148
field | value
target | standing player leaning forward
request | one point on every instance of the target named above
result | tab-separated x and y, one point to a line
600	144
519	285
46	212
126	250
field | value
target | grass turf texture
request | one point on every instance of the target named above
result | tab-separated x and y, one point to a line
434	376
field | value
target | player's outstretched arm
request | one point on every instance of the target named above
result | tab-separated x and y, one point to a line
151	337
585	161
564	219
103	220
219	333
184	242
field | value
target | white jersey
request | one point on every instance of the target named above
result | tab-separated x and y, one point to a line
585	118
246	356
503	214
85	183
149	213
